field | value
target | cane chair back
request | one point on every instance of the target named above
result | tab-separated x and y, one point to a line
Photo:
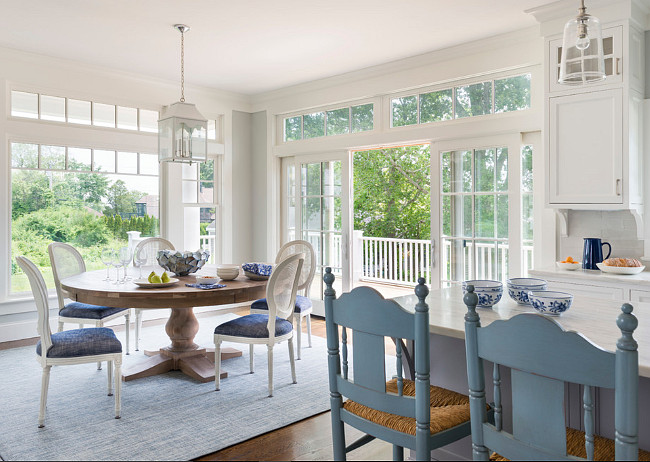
66	262
152	245
309	266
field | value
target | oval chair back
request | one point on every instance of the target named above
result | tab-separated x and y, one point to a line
152	245
39	289
308	267
282	288
66	261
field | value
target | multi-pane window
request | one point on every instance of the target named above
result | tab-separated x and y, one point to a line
474	208
490	97
200	199
340	121
87	197
74	111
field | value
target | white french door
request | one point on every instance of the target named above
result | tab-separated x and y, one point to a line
316	208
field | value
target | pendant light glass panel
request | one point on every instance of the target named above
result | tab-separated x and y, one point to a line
582	58
182	134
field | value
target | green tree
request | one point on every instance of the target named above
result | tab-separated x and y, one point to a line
120	200
30	191
392	192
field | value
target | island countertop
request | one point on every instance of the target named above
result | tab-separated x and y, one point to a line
641	280
595	318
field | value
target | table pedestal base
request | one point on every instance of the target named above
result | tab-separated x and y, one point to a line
198	364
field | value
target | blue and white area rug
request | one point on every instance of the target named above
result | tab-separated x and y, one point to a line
165	417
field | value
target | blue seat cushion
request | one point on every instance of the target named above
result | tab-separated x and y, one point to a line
253	326
84	310
302	304
82	342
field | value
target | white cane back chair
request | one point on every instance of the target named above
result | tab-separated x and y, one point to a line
77	346
66	261
266	329
303	308
151	246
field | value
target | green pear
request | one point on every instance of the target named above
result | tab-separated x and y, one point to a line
151	275
156	279
164	277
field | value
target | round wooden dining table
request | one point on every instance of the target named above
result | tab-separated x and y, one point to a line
182	354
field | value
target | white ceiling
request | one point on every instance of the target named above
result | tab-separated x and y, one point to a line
251	46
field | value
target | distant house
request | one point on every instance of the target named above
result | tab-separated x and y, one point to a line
148	205
93	211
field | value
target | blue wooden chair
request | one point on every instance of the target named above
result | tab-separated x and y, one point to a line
408	414
76	346
542	356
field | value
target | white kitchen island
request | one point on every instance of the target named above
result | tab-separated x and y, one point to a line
595	318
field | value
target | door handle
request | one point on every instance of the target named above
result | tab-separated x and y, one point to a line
618	63
618	187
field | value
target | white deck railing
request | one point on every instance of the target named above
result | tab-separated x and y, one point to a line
397	261
209	242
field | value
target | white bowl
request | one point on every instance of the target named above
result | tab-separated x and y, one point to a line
620	269
207	279
489	292
518	288
228	272
568	266
550	302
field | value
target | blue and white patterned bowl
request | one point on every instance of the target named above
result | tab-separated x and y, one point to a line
489	292
518	288
257	271
550	302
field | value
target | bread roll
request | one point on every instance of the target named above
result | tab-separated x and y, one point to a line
622	262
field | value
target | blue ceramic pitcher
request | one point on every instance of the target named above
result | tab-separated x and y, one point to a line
593	252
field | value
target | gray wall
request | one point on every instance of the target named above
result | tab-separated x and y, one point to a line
249	186
259	170
241	187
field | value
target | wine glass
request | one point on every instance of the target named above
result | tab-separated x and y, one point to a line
124	259
141	258
107	256
117	264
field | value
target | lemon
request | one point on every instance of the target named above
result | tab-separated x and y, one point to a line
151	275
165	277
156	279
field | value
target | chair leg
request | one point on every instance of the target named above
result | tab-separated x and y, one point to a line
109	373
398	452
217	365
60	326
270	367
138	326
250	354
308	329
338	431
45	383
128	329
299	329
118	387
99	324
292	360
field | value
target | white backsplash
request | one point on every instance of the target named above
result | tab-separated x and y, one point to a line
617	228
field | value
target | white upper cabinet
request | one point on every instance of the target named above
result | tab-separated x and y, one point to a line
585	146
612	51
594	131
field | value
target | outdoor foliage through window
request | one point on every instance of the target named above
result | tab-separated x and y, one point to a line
352	119
491	97
64	200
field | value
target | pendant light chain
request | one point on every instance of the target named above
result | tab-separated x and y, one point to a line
182	66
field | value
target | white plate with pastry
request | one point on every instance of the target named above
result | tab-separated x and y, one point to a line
621	266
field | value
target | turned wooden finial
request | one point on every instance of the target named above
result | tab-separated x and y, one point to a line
471	300
627	322
329	280
421	291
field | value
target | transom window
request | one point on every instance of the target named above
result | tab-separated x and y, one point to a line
490	97
353	119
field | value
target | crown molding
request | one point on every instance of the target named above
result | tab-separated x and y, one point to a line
564	9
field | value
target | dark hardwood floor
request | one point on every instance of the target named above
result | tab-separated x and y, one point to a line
309	439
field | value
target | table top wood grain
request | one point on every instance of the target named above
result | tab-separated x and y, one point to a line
89	287
594	318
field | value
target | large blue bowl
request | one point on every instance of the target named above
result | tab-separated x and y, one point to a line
550	302
489	292
518	288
